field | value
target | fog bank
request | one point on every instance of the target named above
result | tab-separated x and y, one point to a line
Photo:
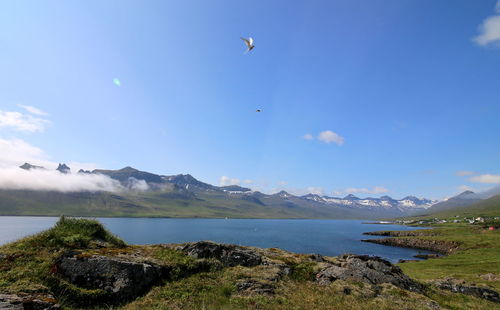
51	180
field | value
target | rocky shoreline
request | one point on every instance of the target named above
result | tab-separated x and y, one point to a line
402	233
78	264
122	275
438	246
414	239
411	239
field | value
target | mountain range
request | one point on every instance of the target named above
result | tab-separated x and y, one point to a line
148	194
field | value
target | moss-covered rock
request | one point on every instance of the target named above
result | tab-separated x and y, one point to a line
82	265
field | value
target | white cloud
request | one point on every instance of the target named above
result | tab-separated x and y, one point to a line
282	183
315	190
486	178
22	122
247	181
464	173
52	180
489	30
33	110
326	136
329	136
225	181
137	185
308	136
15	152
375	190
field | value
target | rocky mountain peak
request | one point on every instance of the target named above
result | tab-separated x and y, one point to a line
128	169
63	168
466	193
28	166
283	194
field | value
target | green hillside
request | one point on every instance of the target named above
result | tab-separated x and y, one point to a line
166	203
486	208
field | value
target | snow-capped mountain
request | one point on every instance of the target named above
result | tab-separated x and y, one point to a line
409	203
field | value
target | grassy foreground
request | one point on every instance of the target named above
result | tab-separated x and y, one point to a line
26	267
478	254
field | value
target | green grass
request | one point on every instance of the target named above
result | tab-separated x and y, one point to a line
478	253
27	263
216	290
76	233
26	267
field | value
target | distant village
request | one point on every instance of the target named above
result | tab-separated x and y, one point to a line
456	219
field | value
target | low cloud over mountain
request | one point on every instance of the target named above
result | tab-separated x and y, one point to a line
14	152
53	180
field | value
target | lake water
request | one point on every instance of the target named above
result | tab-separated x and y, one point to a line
326	237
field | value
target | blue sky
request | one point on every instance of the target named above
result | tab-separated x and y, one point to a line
406	93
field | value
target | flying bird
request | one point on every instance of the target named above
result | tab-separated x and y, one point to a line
249	43
258	110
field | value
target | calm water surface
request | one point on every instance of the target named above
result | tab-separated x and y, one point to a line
326	237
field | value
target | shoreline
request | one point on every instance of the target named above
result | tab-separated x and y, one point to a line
412	239
193	217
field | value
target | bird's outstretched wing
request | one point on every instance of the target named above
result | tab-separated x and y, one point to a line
250	41
247	42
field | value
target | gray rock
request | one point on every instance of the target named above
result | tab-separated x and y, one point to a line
252	286
369	269
11	302
263	283
119	277
15	302
458	286
317	258
228	254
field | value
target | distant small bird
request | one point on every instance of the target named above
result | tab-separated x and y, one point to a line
258	110
117	82
249	43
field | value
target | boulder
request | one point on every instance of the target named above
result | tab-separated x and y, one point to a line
16	302
253	286
318	258
228	254
120	278
262	279
458	286
490	277
369	269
